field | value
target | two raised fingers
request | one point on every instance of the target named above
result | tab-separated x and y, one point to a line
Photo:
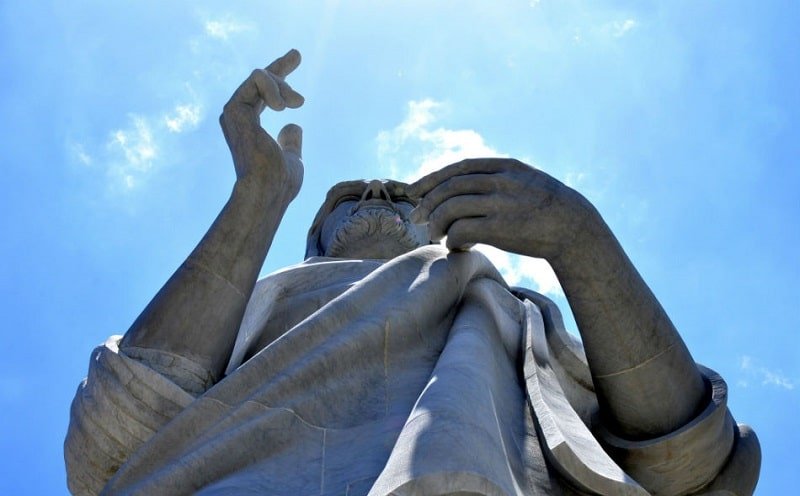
268	87
283	66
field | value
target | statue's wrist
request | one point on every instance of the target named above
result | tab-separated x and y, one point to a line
261	192
586	242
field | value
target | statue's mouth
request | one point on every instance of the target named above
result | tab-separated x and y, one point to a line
373	230
375	204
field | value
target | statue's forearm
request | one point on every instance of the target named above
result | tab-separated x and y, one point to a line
646	380
197	313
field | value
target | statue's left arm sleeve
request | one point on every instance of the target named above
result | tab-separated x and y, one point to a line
117	408
710	453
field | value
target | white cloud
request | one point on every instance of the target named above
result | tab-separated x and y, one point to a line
132	152
80	154
518	270
767	377
415	148
745	363
222	29
776	379
618	29
183	117
137	148
573	179
601	32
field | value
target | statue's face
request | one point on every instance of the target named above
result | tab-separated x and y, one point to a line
370	220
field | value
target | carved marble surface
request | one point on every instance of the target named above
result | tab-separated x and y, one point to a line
383	365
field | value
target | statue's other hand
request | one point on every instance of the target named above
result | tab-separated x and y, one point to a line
501	202
257	157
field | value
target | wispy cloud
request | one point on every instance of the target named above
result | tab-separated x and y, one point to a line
132	152
417	146
754	371
618	29
135	148
222	29
79	153
573	179
183	117
523	271
600	32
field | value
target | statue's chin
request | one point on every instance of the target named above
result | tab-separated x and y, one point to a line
372	233
377	247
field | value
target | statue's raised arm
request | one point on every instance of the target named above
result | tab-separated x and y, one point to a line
198	311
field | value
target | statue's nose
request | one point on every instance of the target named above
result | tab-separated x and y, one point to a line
376	191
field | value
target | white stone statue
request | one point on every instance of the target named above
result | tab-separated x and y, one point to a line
388	364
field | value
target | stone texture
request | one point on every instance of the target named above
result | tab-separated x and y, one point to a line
396	367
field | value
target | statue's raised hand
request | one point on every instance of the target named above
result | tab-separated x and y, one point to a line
501	202
259	159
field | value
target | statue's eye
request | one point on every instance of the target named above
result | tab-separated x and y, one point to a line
347	198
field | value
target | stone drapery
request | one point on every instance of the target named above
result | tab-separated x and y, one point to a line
422	375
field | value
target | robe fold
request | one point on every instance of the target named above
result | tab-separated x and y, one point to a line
425	374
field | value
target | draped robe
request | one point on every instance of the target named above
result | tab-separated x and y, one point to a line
425	374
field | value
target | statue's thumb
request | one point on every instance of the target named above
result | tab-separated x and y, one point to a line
291	139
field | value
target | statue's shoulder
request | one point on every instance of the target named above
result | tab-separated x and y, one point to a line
315	271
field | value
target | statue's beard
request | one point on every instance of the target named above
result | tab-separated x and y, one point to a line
372	233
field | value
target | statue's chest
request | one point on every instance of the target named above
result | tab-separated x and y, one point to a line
285	299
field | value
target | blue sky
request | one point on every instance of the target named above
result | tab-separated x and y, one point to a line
677	119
